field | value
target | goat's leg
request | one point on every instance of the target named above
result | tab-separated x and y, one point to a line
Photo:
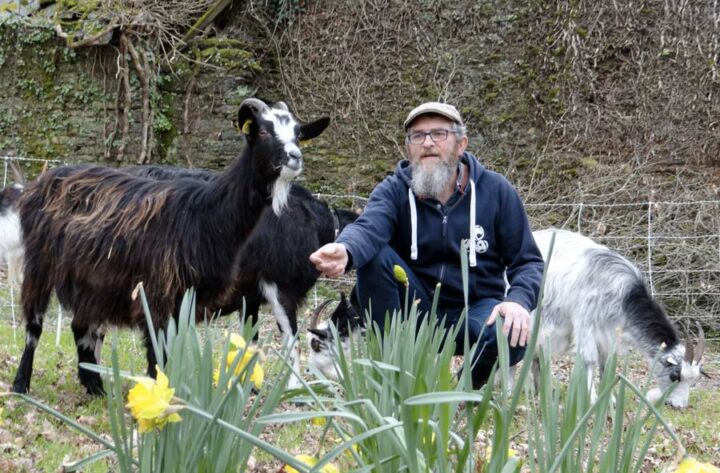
88	344
285	316
252	311
588	350
35	303
150	354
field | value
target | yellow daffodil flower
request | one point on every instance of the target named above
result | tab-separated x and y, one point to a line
488	454
237	341
149	402
690	465
321	421
400	274
312	461
258	373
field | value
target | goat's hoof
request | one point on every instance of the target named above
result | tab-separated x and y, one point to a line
95	389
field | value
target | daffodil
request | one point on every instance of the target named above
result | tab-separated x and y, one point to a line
237	341
321	421
257	376
690	465
149	402
400	274
488	454
312	461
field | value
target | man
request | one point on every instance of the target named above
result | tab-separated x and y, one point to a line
417	219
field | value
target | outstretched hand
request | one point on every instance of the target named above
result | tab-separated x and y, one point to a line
331	259
516	317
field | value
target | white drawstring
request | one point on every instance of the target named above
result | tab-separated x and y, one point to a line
413	226
471	240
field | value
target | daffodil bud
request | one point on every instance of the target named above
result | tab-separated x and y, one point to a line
400	274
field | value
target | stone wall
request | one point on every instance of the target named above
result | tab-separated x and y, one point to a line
60	103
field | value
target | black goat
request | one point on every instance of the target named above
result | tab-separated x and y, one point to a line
93	234
274	264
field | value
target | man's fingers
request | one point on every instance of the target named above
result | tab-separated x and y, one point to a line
525	333
516	329
493	316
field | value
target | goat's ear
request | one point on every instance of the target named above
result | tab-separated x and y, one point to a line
670	361
310	130
249	112
320	333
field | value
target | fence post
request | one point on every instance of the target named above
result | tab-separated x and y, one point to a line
649	247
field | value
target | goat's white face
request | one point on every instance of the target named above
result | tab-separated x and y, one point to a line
276	132
321	338
674	367
322	355
286	132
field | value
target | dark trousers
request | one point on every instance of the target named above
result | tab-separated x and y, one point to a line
380	293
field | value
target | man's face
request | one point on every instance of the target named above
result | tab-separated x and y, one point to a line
433	161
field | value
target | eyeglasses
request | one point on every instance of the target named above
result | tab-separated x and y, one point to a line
418	137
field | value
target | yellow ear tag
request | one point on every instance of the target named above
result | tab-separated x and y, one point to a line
246	127
304	142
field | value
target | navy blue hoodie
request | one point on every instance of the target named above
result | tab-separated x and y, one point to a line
427	235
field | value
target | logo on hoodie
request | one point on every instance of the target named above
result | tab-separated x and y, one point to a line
481	245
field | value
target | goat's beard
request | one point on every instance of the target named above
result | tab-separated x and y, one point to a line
432	182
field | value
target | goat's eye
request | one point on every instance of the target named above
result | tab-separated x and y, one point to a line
315	345
263	133
675	375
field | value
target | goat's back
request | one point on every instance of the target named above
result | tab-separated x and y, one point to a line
586	290
92	229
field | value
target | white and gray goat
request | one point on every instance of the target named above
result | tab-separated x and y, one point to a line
595	301
11	248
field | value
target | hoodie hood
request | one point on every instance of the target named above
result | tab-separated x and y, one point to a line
404	172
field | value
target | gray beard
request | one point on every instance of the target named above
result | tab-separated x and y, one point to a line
431	182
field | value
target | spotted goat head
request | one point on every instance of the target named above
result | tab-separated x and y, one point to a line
348	322
681	365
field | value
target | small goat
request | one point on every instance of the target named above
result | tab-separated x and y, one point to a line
595	301
93	234
349	322
273	265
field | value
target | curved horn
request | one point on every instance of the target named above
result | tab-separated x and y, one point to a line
700	344
281	106
689	348
249	108
18	174
256	104
316	314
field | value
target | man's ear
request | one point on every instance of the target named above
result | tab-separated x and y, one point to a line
462	145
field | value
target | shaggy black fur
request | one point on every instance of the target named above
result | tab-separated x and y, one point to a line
278	249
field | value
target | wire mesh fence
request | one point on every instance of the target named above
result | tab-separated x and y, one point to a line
675	244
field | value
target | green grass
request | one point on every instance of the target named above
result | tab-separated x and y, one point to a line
42	441
32	440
